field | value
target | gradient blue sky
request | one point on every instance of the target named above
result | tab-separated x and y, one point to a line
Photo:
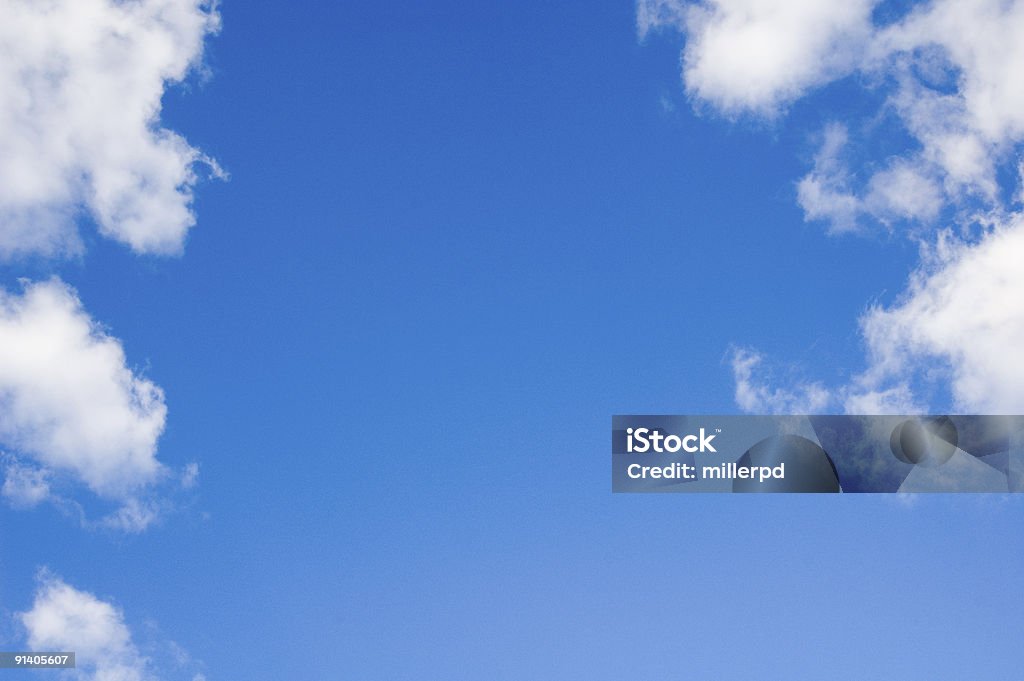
455	240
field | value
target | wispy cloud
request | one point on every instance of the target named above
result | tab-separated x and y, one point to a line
825	192
754	392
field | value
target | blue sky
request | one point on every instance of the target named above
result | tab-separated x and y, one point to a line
452	243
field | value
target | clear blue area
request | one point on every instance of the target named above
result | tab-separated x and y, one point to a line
457	238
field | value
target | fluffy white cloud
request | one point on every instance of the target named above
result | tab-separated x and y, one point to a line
959	324
962	315
955	88
981	39
949	73
70	403
64	618
904	191
948	68
81	83
758	55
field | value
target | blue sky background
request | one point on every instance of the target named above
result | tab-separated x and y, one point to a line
454	242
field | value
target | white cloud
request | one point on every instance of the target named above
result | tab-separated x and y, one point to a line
70	403
949	70
190	475
982	40
135	515
64	618
952	67
824	194
949	75
860	398
964	317
754	55
959	324
652	15
948	146
759	55
753	393
903	192
958	89
24	485
81	83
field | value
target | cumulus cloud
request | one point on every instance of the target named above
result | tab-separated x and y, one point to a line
981	40
70	405
958	326
81	83
962	316
950	69
759	55
63	618
948	73
904	191
947	70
